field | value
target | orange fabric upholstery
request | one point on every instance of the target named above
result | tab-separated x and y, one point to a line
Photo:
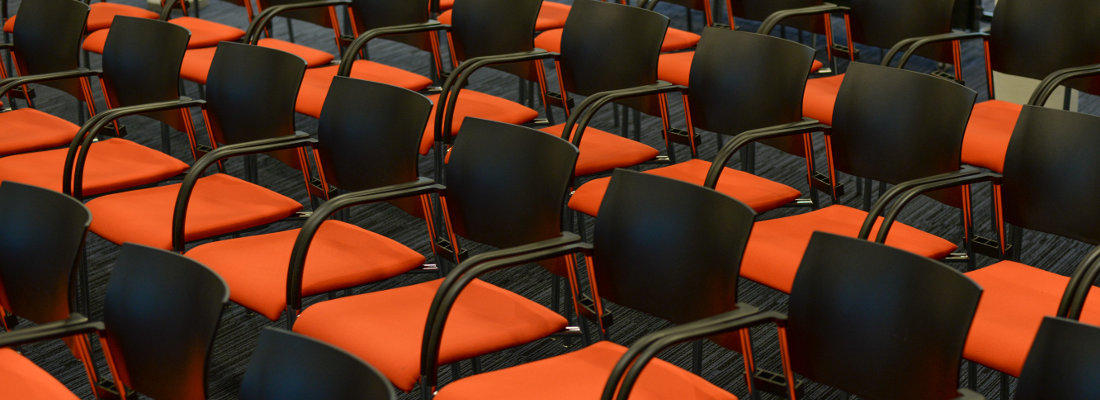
196	64
1013	304
820	97
315	84
582	374
102	14
446	4
203	34
759	193
676	67
21	379
112	164
675	39
988	132
775	246
9	25
385	328
27	129
313	57
340	256
551	16
95	41
220	204
478	105
604	151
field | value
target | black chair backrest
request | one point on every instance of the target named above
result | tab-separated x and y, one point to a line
141	64
883	23
46	38
1063	363
894	125
878	322
758	10
606	46
742	81
289	366
316	16
506	183
43	233
370	14
492	27
654	255
161	312
1051	172
1034	38
369	134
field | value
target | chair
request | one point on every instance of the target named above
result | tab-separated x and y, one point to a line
249	102
673	40
101	15
505	187
140	77
276	371
1061	362
366	146
160	315
649	254
1010	46
203	33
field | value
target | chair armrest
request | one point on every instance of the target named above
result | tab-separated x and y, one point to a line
166	9
419	187
7	46
252	35
1042	93
962	178
1080	285
592	104
806	125
466	272
179	214
76	324
8	84
894	191
73	172
917	42
360	42
772	20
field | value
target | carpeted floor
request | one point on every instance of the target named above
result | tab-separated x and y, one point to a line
239	328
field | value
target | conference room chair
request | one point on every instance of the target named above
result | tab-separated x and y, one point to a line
366	146
741	82
505	187
649	253
204	33
100	16
160	314
1062	362
673	39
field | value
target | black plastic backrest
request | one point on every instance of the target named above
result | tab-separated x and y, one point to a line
742	81
894	125
491	27
370	14
47	37
1051	171
42	233
654	255
606	46
161	312
316	16
1063	363
506	183
883	23
369	134
1034	38
289	366
758	10
878	322
141	64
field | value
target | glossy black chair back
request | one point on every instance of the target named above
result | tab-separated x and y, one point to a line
654	255
742	81
1051	172
43	234
161	312
1063	363
492	27
289	366
1034	38
883	23
141	64
370	14
46	38
878	322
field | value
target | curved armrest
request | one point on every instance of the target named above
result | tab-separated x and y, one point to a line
1080	285
166	8
76	324
73	172
1042	93
7	46
772	20
360	42
469	270
807	125
591	104
179	214
891	214
8	84
313	223
252	35
894	191
918	42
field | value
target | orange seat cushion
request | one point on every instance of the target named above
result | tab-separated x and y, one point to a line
95	41
27	129
988	133
446	4
112	164
203	34
475	104
313	57
759	193
9	25
820	97
551	16
196	64
775	246
676	67
582	374
1015	299
220	204
315	84
385	328
604	151
102	14
21	379
340	256
675	39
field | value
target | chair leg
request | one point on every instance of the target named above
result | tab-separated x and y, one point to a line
85	291
165	139
1004	386
697	357
290	29
80	116
972	375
